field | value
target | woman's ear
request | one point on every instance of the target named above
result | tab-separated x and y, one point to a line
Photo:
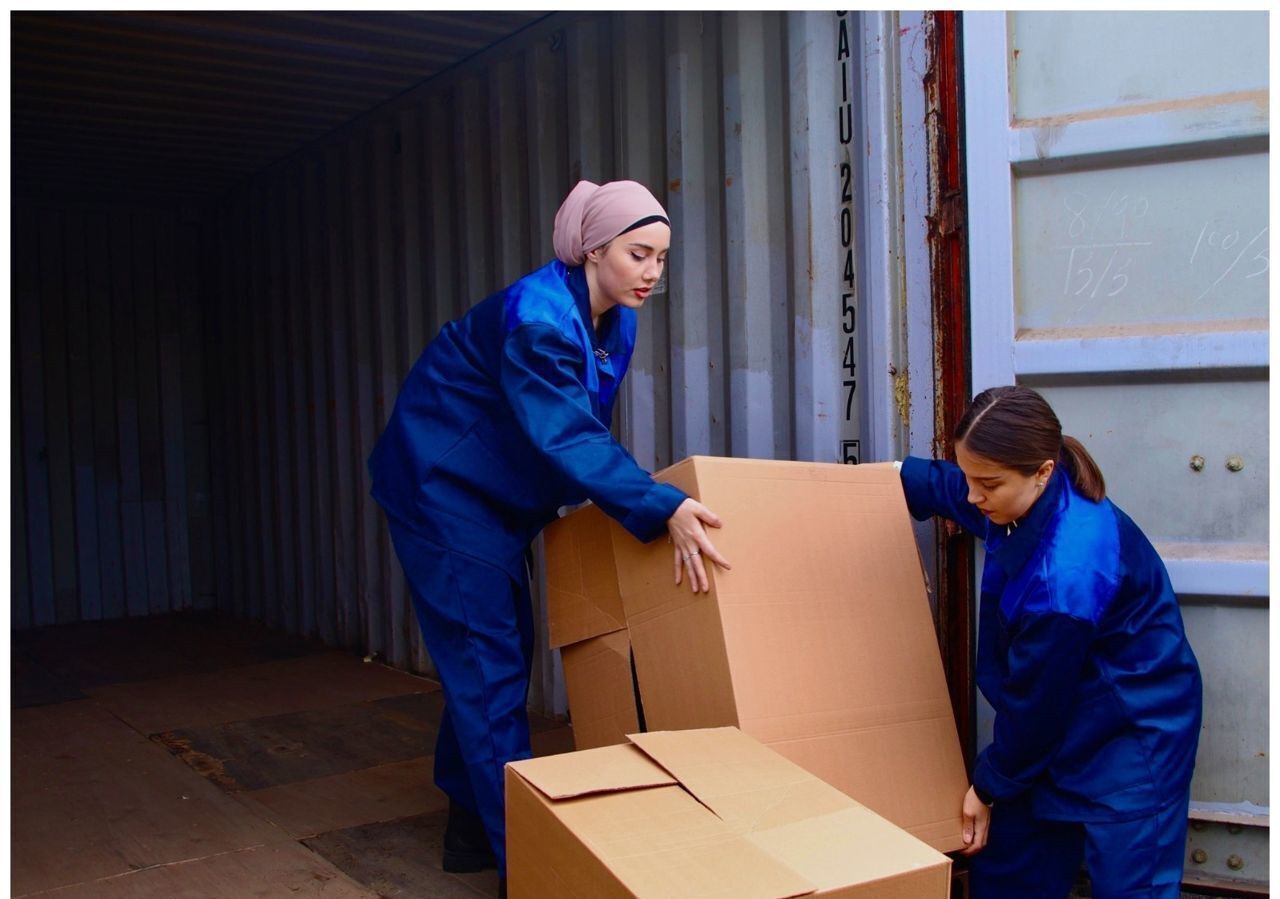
1045	470
594	255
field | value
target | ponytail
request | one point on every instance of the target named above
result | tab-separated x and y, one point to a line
1015	427
1085	473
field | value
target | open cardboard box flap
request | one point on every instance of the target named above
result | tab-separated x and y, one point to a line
582	583
604	770
777	805
745	784
702	812
597	674
610	822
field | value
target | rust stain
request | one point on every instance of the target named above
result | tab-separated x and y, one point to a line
202	763
1102	332
674	185
902	395
728	182
1261	98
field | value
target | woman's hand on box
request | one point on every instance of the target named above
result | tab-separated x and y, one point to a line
977	823
688	535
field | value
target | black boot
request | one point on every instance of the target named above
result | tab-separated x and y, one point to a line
466	845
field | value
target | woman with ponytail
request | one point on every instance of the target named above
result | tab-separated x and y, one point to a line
1082	655
503	419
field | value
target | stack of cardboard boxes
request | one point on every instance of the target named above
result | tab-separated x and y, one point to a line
818	644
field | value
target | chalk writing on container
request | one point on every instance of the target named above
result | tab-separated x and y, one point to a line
1221	249
1104	241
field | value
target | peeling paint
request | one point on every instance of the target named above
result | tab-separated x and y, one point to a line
1045	139
902	396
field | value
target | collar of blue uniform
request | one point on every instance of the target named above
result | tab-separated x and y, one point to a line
576	278
1014	551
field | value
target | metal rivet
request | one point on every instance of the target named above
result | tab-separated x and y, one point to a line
1197	463
1235	862
1199	856
1234	828
1234	463
1199	825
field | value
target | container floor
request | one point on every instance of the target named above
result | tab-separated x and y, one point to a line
195	756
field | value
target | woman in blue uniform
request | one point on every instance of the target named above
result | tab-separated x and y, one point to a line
503	419
1082	654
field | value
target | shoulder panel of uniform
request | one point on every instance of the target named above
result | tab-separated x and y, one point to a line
541	297
1079	566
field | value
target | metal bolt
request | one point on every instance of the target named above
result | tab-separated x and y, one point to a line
1197	462
1234	463
1199	856
1235	862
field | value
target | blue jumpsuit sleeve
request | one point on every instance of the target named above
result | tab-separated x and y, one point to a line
933	488
541	380
1045	664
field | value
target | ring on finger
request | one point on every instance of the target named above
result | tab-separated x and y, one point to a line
695	552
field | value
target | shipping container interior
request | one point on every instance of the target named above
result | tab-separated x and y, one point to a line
233	233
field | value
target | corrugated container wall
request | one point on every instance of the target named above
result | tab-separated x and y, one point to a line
110	476
338	266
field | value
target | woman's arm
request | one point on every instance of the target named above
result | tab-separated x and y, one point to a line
540	379
933	487
541	383
1046	657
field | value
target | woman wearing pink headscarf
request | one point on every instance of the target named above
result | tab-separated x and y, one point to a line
504	419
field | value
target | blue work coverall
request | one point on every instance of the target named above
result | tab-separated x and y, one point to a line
1097	695
503	419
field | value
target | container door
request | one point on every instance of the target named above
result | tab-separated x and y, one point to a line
1117	184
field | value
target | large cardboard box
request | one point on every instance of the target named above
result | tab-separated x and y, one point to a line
705	813
819	642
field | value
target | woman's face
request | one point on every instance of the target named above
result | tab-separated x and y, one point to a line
1002	494
628	267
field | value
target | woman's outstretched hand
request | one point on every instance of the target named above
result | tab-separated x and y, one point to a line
688	535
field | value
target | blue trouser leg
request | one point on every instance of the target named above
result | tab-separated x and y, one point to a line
1026	857
451	766
1139	859
477	623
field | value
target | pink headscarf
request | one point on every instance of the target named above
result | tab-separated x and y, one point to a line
594	214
